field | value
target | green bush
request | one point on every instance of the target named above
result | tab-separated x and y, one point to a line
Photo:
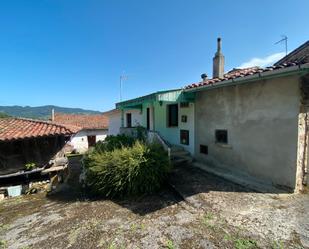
114	142
139	169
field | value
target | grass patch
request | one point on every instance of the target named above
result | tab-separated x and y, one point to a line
241	243
170	244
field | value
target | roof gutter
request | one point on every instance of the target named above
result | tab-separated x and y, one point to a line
299	69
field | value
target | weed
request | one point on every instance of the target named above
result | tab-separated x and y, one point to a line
241	243
30	166
112	246
228	237
277	245
170	244
207	218
3	244
133	227
245	244
4	227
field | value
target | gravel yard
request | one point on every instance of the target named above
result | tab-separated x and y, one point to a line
213	214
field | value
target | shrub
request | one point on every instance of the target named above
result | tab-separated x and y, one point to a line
139	169
114	142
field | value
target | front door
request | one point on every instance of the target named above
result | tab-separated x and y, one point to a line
148	118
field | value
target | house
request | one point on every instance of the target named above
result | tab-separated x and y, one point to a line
168	113
251	123
91	129
30	142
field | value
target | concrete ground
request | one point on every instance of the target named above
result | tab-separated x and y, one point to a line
213	214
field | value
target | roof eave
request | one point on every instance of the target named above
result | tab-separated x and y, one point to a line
263	75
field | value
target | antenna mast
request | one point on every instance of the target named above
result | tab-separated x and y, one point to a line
123	77
285	40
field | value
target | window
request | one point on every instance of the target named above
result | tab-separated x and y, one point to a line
172	115
221	136
129	120
184	137
203	149
184	118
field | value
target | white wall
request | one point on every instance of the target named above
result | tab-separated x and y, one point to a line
137	117
189	125
114	123
80	141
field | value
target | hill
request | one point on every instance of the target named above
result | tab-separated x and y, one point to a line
41	112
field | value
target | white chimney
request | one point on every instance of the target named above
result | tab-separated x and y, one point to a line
218	62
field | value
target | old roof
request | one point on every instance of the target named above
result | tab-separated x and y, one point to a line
301	54
83	121
19	128
242	73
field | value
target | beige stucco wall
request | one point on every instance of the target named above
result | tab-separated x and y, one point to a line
262	123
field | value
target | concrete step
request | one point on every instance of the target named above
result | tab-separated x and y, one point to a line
180	153
176	148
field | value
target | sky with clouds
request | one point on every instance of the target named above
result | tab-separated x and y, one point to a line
72	53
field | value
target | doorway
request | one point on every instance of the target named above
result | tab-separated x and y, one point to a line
91	141
148	118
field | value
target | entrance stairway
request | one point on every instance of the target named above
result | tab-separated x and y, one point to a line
180	156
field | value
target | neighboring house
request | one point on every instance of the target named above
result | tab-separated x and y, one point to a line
91	129
25	141
248	122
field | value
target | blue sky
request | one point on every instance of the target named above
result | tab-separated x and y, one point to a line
72	52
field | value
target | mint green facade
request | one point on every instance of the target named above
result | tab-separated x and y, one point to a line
158	105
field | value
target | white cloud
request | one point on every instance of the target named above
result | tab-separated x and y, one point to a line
263	62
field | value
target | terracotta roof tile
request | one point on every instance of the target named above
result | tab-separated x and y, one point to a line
18	128
82	121
239	73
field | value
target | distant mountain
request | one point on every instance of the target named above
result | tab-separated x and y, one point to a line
40	112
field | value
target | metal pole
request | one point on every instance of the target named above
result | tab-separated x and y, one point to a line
120	94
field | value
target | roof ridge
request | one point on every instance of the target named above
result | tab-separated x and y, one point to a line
245	72
43	122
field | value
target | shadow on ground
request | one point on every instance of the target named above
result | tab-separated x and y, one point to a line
185	181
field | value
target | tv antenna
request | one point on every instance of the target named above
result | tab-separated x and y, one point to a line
123	77
285	40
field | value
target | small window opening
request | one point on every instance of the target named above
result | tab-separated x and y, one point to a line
203	149
221	136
